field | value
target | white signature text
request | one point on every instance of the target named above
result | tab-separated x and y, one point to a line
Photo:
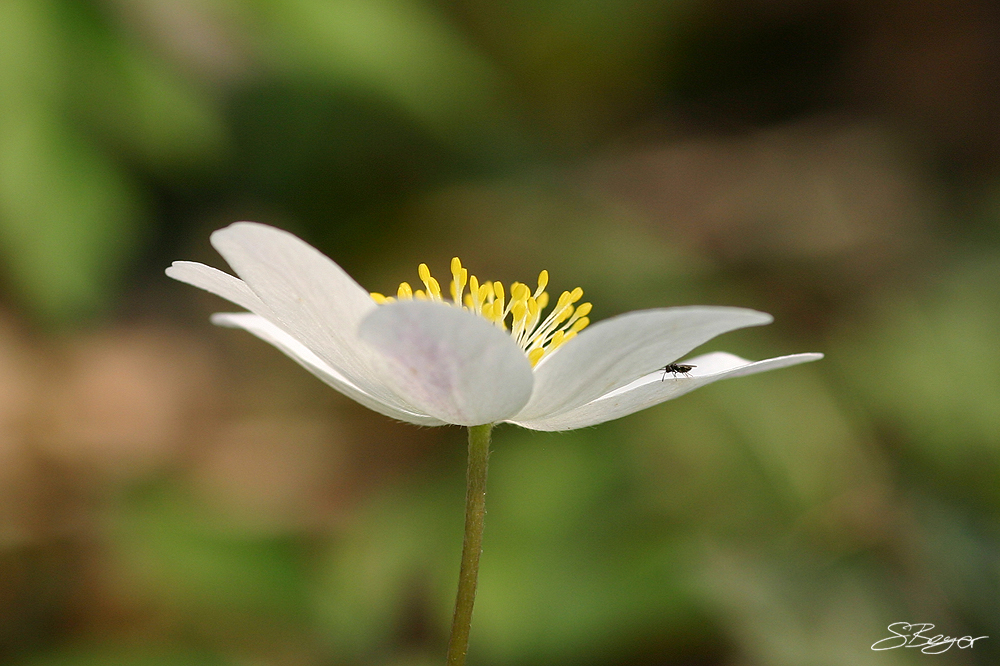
909	635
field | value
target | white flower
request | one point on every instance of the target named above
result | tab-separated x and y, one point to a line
421	359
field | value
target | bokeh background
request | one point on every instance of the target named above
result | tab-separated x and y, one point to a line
174	494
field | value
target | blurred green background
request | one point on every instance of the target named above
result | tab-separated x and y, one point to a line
173	494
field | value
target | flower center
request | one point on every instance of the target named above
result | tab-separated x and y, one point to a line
536	335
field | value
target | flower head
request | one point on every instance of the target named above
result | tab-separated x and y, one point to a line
474	358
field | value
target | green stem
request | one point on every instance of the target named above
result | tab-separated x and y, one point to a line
475	512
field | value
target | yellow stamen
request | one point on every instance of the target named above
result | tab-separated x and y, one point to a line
459	276
498	312
535	355
523	311
543	281
485	295
518	309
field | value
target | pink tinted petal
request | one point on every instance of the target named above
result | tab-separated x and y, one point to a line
447	362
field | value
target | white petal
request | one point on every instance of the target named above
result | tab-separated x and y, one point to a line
217	282
449	363
612	353
235	290
307	295
270	333
654	388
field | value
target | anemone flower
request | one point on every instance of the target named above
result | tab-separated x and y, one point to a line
472	358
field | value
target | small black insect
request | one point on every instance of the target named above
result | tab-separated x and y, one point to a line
677	369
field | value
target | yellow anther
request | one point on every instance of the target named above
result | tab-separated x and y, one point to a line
467	302
576	295
420	295
498	290
378	298
518	309
434	289
457	291
543	282
459	276
557	339
476	300
535	355
493	311
582	310
543	300
424	273
580	324
532	305
519	292
404	291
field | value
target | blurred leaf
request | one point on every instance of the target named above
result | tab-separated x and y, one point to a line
68	218
173	552
402	49
406	543
963	551
743	453
137	100
570	570
789	610
320	151
70	215
67	214
927	365
583	65
576	570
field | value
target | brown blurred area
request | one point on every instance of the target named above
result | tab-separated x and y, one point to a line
93	417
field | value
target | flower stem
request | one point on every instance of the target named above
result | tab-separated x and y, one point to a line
475	512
